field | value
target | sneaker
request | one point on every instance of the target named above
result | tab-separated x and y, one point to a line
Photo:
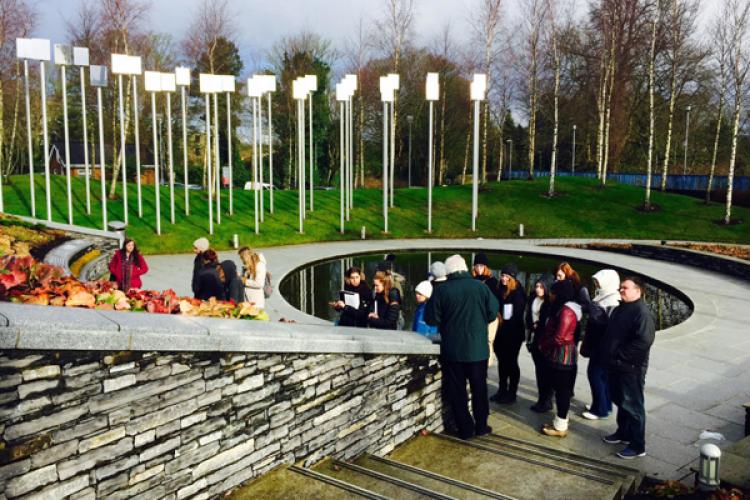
550	430
593	416
541	408
629	453
483	431
588	407
614	439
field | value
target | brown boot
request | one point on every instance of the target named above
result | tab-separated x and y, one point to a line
558	428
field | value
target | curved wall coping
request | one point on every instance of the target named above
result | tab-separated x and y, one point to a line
36	327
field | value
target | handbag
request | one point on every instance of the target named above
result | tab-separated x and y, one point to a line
267	286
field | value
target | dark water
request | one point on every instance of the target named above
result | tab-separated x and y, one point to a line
311	288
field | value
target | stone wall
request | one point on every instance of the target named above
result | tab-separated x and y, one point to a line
95	424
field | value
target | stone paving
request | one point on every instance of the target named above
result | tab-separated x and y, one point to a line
699	375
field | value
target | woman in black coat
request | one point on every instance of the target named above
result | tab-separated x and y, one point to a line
386	305
537	313
233	288
211	278
356	284
510	335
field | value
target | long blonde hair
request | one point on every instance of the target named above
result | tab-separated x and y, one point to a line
250	260
387	280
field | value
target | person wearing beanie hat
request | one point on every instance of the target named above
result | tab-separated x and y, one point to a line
511	334
422	293
481	271
558	348
462	308
199	246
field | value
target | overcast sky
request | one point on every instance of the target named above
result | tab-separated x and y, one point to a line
261	22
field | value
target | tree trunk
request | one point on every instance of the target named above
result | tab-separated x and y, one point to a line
732	158
532	125
651	64
672	99
466	149
719	116
608	118
601	111
442	166
553	161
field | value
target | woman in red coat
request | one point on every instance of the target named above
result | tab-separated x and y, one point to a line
558	349
127	266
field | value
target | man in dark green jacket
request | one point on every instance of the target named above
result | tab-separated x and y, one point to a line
461	309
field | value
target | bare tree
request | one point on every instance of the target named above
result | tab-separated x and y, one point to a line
553	34
721	55
212	21
656	15
737	17
358	55
16	20
486	25
446	45
534	15
394	31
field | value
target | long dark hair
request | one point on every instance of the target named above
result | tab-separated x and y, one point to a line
136	254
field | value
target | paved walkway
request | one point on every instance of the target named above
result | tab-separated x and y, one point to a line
699	375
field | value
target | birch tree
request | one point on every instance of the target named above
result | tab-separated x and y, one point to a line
721	55
554	44
486	26
737	17
358	55
655	18
534	15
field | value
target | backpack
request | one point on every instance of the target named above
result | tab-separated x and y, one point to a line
267	286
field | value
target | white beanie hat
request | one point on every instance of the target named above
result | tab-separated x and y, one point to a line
454	264
201	244
437	271
424	288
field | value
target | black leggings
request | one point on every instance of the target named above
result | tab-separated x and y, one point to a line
561	381
506	349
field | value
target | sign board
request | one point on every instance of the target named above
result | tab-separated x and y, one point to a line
98	76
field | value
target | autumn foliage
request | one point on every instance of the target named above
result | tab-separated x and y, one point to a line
24	280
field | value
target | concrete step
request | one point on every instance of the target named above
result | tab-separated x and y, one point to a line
514	474
288	482
372	481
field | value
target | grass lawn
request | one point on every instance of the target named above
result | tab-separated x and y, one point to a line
582	210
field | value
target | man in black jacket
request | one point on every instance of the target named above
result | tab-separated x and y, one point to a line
626	345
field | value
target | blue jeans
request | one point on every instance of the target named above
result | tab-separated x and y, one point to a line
626	389
601	405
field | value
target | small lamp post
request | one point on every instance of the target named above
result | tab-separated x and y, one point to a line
127	65
36	49
432	94
182	79
708	469
478	89
573	161
410	120
98	79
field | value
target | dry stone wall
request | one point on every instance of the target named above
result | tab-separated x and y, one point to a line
89	424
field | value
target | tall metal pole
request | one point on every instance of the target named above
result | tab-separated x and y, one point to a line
123	166
185	150
573	161
475	170
255	163
687	133
156	163
311	153
260	161
385	166
301	161
392	163
270	152
137	133
350	155
32	187
67	143
85	140
345	171
209	151
45	134
102	176
341	164
217	162
229	152
170	157
429	169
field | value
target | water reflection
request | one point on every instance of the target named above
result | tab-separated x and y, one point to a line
311	288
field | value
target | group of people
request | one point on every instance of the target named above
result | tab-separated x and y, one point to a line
470	313
211	278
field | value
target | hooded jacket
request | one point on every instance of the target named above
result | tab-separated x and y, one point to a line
629	337
232	285
461	309
607	297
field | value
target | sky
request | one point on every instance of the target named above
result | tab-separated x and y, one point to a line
262	22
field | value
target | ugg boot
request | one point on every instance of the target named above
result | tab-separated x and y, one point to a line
558	428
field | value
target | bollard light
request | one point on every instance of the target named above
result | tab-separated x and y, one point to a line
363	233
520	230
708	471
